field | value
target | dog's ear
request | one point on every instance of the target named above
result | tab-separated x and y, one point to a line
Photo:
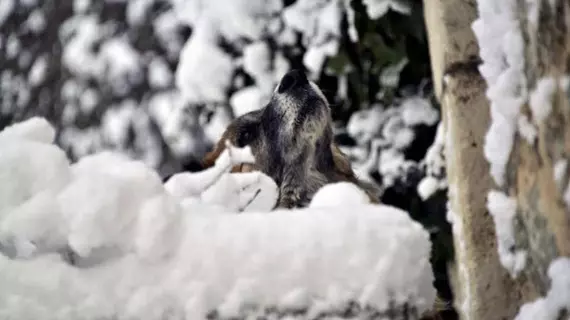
341	163
241	132
344	171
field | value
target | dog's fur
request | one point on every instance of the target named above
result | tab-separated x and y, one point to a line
292	141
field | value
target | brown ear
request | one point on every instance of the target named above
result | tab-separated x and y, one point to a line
210	158
341	163
231	134
344	170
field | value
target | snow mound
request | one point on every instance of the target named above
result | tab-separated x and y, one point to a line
137	249
339	194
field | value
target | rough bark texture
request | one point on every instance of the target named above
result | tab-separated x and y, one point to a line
483	288
543	220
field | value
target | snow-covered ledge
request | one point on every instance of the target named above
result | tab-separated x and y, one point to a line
105	239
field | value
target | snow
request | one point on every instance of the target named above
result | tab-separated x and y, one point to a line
339	194
317	21
204	71
237	192
503	209
34	129
418	110
13	46
502	51
219	121
248	99
36	21
139	251
434	162
351	17
383	133
6	9
83	34
137	9
390	75
38	71
427	187
214	267
557	299
257	63
560	168
159	74
541	99
122	64
234	19
88	100
81	6
526	129
378	8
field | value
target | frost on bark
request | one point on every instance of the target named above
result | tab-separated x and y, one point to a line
502	258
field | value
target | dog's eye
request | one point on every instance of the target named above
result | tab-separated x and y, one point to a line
246	136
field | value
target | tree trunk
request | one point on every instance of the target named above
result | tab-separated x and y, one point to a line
536	175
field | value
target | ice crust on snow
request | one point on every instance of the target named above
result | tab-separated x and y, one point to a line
144	250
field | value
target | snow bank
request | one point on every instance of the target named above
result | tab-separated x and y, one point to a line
137	249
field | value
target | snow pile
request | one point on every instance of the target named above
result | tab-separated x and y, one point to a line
383	135
135	249
504	209
557	300
502	51
115	187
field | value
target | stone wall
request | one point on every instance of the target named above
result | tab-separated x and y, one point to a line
536	173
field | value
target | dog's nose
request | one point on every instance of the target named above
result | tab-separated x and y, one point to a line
291	80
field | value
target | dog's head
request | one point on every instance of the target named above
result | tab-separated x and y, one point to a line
296	120
298	114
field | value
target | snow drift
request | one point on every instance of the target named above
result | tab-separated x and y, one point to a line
104	239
